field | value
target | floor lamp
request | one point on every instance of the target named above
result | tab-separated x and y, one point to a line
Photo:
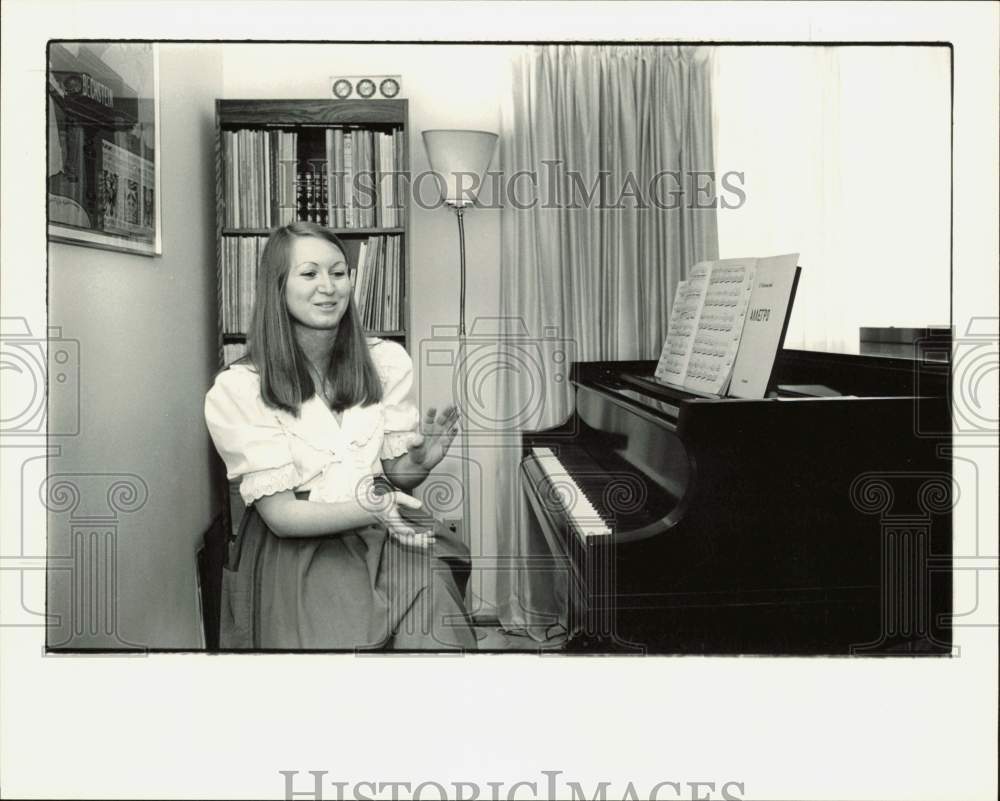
460	158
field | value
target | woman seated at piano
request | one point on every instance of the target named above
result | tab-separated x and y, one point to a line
316	424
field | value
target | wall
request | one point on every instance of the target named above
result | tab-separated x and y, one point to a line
448	86
146	332
852	170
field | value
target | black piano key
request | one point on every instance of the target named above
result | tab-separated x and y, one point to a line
595	481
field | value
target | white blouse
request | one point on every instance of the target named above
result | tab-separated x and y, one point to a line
270	450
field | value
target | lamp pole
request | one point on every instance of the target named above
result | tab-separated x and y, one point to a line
463	380
460	214
454	155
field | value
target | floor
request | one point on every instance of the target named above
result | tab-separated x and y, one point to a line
493	638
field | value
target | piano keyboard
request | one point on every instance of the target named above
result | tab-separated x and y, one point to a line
584	518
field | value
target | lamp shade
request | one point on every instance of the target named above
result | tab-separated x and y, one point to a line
459	158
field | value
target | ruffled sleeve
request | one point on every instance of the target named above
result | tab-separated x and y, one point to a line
248	436
395	368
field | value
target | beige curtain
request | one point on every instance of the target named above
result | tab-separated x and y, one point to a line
590	278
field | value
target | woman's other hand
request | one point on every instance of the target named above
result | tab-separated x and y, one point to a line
400	528
385	507
437	432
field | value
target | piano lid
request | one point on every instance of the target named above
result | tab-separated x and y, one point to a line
841	375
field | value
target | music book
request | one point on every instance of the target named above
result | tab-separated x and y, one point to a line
766	323
707	349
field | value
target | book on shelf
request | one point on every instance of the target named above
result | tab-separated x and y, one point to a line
259	177
399	156
389	181
376	171
378	292
726	325
357	169
389	302
244	189
369	182
378	283
264	166
348	159
369	289
395	303
287	147
385	180
241	184
240	256
375	288
231	218
361	169
362	179
388	169
360	273
265	184
335	187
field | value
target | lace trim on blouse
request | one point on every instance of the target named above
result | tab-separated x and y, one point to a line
395	443
259	483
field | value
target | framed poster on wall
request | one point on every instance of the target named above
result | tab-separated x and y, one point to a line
103	164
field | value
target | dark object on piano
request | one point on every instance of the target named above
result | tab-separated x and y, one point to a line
807	391
778	526
906	343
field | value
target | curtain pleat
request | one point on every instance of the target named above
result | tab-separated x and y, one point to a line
589	279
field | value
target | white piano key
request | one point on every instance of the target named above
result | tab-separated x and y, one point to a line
581	512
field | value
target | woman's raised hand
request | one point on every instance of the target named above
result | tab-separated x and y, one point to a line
437	432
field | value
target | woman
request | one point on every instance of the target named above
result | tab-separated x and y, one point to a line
308	423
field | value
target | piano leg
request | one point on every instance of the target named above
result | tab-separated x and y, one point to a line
593	607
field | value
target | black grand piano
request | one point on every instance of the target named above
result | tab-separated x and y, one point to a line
815	521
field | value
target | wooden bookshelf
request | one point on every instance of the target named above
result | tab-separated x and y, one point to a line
254	139
337	231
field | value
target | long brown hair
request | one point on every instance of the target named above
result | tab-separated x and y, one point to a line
285	382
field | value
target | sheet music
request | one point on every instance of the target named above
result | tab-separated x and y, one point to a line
769	309
720	325
688	301
726	324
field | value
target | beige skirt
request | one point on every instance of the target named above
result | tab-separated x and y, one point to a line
354	590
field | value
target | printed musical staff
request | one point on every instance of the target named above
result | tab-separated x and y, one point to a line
705	326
